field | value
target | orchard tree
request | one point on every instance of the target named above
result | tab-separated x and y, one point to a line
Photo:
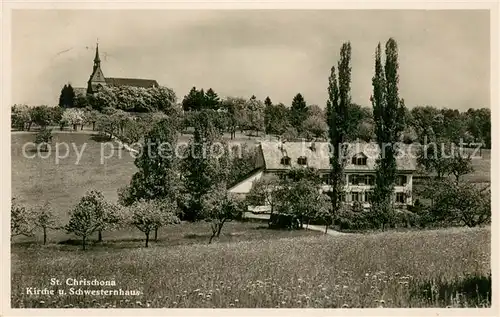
56	116
92	214
149	215
43	139
435	157
21	220
73	117
218	207
45	219
255	114
315	125
21	117
460	164
388	113
276	119
265	191
41	115
236	114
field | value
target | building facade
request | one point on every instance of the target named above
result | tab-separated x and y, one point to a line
276	158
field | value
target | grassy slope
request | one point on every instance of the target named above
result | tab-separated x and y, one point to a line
315	271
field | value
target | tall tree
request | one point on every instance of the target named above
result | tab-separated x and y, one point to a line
156	177
268	102
389	114
194	100
212	100
298	112
203	168
337	107
67	97
255	114
276	119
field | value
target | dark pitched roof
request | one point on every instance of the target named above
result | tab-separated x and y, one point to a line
272	153
135	82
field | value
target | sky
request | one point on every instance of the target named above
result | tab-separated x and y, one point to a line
444	56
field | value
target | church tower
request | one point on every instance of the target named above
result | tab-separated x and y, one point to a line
97	79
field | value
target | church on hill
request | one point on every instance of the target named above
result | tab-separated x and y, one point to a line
97	79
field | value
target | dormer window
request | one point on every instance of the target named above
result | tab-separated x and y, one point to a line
359	159
285	160
302	160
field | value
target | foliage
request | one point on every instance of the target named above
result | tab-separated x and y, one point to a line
20	117
206	162
339	122
457	203
46	219
235	114
21	220
156	177
43	139
219	206
243	162
298	112
276	118
41	115
389	113
92	214
149	215
315	126
74	117
255	115
67	97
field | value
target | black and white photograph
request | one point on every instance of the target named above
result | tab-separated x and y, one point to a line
250	158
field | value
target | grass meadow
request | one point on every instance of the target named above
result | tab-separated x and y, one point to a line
436	268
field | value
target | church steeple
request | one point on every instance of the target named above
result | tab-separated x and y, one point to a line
97	79
97	60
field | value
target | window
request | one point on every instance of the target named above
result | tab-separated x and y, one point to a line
359	159
362	180
368	196
401	198
401	180
369	180
355	196
302	160
285	160
327	179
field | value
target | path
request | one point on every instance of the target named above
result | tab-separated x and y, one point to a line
264	216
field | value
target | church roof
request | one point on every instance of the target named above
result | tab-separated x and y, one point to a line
80	91
136	82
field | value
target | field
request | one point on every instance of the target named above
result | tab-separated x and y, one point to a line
413	269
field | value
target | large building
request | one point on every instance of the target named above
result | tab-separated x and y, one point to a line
275	158
97	79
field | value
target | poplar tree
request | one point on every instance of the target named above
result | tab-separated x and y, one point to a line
388	114
337	106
